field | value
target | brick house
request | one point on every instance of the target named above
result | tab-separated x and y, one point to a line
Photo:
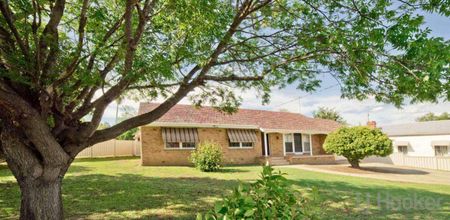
246	137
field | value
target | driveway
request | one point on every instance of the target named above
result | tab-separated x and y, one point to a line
384	172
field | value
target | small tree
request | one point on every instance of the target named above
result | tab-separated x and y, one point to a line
329	113
207	157
128	135
432	117
356	143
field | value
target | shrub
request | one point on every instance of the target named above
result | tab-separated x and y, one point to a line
207	157
270	197
356	143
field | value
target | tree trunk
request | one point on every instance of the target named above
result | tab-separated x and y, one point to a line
354	163
39	182
41	199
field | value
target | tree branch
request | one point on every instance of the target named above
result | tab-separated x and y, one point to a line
7	14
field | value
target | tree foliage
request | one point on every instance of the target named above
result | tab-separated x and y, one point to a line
270	197
62	62
329	113
356	143
128	135
432	117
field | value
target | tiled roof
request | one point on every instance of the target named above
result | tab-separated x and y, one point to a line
266	120
418	128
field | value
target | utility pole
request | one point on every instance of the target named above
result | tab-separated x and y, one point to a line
300	105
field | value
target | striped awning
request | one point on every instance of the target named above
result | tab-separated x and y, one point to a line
241	135
440	143
180	135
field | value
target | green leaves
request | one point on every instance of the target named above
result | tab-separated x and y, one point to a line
207	157
329	113
379	49
270	197
356	143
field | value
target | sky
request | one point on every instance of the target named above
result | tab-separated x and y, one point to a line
353	111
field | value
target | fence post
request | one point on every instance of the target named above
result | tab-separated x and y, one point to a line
436	162
92	151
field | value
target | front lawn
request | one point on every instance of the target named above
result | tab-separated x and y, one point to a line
121	188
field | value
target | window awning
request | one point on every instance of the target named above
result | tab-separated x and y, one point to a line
180	135
401	143
241	135
440	143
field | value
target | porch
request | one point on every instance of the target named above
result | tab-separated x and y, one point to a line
282	147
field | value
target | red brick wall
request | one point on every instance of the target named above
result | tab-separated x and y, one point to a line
154	154
317	144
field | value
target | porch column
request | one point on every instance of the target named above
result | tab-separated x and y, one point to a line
266	148
311	145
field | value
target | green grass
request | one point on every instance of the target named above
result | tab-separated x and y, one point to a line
121	188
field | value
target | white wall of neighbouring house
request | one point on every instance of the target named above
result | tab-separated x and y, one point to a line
420	145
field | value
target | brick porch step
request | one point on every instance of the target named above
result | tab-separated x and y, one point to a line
278	161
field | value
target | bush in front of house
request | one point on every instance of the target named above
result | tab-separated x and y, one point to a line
270	197
207	157
356	143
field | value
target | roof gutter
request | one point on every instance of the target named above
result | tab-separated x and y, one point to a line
200	125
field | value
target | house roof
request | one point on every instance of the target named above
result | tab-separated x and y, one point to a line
259	119
419	128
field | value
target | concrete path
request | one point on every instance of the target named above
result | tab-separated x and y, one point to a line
384	172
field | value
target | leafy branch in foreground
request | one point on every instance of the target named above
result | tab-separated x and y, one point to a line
270	197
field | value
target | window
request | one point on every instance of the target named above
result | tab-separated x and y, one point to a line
403	149
180	145
306	142
173	145
441	150
188	145
241	144
288	144
179	138
297	143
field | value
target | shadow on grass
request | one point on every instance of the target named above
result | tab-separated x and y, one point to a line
342	200
125	196
146	197
128	196
394	170
231	170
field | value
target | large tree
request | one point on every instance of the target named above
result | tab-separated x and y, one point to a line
62	62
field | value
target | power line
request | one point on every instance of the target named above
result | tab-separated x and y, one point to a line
304	96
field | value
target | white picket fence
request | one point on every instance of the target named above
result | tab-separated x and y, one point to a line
437	163
112	148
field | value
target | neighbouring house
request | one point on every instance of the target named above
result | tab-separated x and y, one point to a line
419	144
431	138
246	137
